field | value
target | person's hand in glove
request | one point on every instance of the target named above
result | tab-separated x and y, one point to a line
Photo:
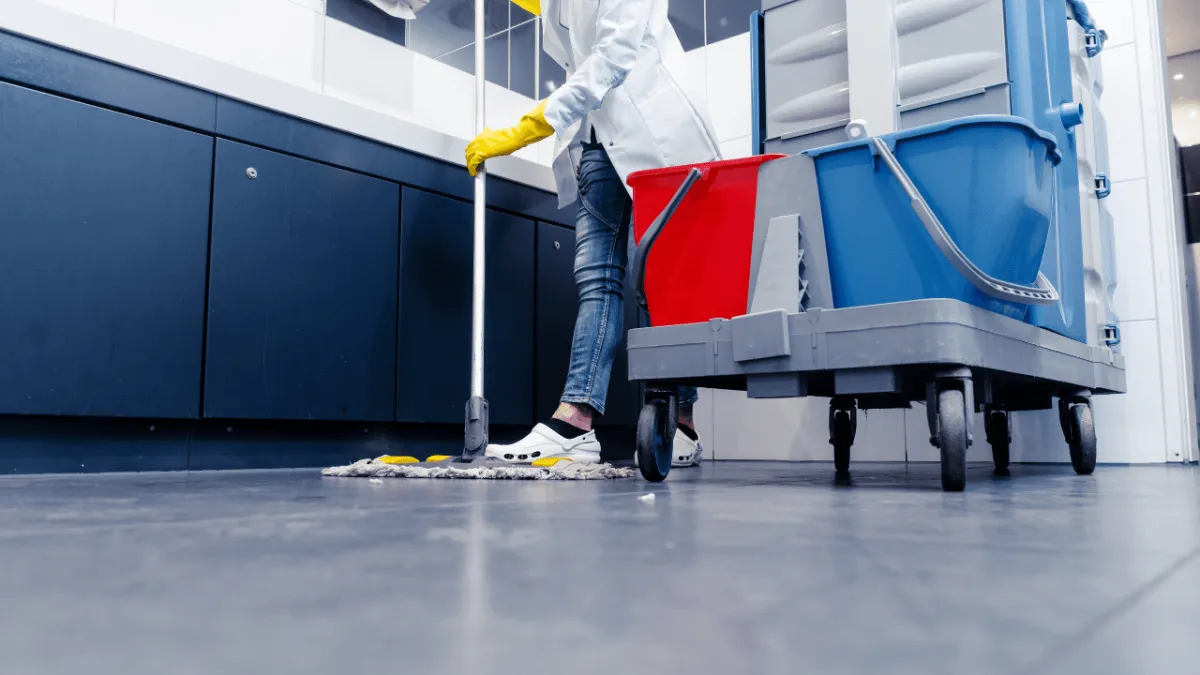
531	129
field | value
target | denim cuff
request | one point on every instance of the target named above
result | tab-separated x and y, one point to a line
688	396
598	406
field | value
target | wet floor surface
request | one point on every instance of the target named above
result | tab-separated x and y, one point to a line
732	568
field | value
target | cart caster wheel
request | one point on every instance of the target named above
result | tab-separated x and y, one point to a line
656	435
843	425
1080	430
952	439
998	427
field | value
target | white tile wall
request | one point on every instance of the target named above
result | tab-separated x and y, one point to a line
1116	18
697	73
1127	148
798	430
1131	234
1037	437
729	86
367	70
443	96
1032	440
880	436
142	48
100	10
292	41
444	99
1130	428
1167	238
704	414
736	148
278	38
545	152
314	5
916	433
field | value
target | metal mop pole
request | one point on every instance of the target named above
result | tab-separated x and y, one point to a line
476	439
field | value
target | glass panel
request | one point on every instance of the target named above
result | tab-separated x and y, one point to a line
496	59
446	25
518	16
727	18
367	17
687	16
552	76
445	30
522	57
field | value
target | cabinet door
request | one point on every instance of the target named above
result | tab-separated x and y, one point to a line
434	372
556	309
103	238
302	290
557	305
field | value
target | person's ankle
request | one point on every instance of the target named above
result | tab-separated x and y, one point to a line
687	418
579	416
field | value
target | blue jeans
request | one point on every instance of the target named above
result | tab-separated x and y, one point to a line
603	245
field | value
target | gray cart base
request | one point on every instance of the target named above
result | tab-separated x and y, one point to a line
955	357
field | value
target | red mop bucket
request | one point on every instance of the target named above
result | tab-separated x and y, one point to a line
695	265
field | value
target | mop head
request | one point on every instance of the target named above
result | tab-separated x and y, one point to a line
480	470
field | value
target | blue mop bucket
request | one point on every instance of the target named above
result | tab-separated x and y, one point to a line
958	210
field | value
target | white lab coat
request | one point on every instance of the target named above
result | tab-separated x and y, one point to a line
626	76
402	9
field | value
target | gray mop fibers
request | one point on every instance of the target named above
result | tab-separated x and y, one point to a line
373	468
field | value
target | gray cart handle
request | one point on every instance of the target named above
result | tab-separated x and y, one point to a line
643	248
1043	293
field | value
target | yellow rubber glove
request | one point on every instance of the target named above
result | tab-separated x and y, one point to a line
531	129
532	6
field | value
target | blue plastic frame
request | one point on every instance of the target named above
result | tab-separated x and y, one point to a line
758	105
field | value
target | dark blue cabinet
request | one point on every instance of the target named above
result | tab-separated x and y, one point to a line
302	290
433	375
556	308
557	304
103	237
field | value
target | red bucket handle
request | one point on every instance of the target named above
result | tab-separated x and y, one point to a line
642	254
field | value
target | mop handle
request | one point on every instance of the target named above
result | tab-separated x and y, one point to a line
476	436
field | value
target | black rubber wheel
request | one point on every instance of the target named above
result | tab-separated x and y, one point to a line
656	437
842	438
1083	438
952	439
999	438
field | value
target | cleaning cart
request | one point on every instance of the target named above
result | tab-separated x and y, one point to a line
934	257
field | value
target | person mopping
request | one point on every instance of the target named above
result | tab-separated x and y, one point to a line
625	106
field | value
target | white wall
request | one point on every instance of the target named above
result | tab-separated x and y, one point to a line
1150	245
1155	421
292	41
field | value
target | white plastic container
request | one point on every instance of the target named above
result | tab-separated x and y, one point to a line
1100	274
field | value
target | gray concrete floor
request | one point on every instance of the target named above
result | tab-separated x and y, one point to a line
734	568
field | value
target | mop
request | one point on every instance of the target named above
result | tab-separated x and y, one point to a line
399	467
473	464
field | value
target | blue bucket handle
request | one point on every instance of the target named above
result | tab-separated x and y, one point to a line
1043	293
